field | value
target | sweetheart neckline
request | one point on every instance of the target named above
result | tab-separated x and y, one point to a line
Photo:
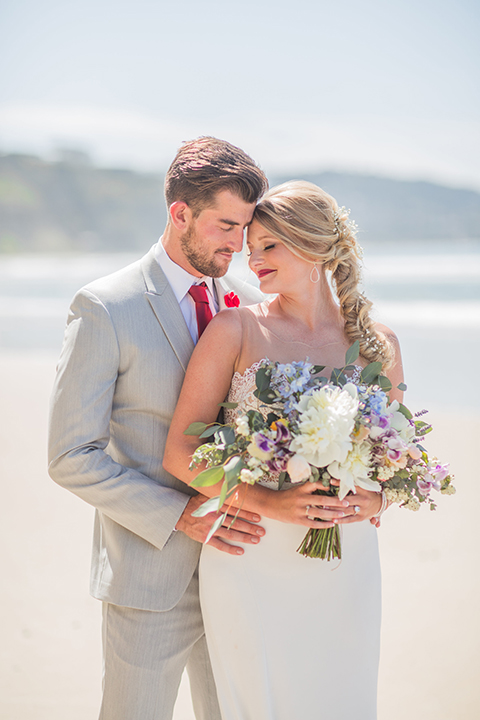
238	375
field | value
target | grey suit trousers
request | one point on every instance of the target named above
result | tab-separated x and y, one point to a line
141	676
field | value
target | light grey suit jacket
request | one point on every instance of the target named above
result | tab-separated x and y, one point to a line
120	372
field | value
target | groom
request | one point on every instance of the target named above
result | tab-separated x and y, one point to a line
128	340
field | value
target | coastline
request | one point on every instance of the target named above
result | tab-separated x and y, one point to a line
51	654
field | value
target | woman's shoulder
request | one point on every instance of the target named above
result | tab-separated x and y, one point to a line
388	333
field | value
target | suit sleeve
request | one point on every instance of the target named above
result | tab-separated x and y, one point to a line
79	432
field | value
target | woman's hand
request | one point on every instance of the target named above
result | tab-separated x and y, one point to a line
363	505
298	504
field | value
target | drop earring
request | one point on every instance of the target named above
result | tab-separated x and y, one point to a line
314	274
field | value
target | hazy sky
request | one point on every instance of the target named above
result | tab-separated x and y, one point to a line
387	87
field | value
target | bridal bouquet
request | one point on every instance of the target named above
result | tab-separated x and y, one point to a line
322	430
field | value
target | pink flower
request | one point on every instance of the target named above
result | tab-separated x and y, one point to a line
231	300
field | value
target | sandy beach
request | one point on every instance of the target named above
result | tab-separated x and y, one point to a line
51	653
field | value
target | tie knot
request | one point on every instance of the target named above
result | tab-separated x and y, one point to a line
199	293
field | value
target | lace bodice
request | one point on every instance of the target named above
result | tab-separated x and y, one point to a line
241	391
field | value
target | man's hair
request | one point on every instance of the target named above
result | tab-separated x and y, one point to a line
206	166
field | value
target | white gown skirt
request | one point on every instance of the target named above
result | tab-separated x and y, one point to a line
294	638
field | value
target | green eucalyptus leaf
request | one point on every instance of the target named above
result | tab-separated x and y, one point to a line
195	428
401	386
208	477
352	353
317	369
226	435
370	373
384	383
228	405
233	467
211	430
223	492
267	396
405	411
256	420
338	377
281	479
218	522
422	428
262	378
209	506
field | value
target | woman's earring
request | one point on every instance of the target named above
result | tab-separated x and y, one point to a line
314	274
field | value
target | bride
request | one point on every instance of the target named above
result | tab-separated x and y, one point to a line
290	637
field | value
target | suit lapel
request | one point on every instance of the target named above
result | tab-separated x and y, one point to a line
221	288
166	308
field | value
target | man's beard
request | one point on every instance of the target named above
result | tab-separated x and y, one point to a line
199	258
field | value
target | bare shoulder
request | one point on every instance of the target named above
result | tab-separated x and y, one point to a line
389	334
224	332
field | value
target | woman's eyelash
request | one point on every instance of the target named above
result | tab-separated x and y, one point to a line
267	247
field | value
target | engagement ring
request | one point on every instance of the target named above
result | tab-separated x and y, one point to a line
356	509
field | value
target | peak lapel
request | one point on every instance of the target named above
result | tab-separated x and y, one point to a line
167	310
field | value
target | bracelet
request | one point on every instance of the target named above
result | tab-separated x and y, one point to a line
383	506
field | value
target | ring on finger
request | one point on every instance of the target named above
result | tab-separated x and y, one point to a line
306	513
356	509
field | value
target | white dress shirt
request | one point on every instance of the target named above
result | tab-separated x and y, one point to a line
181	281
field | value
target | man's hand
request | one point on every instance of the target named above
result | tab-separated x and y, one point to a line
244	530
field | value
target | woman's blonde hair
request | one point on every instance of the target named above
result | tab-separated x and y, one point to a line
312	225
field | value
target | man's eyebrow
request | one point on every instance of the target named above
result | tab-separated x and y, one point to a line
229	222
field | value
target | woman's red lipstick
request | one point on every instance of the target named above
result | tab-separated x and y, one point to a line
262	273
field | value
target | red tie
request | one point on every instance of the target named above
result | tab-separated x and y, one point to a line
202	306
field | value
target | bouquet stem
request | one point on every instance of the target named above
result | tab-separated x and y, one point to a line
324	543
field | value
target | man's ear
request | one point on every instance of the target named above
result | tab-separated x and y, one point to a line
180	215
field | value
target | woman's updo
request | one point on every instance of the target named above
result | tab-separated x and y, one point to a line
310	223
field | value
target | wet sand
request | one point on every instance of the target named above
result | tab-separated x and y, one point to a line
51	650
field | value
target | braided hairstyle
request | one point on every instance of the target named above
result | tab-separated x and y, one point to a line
312	225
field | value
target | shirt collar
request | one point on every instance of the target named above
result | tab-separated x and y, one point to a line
180	280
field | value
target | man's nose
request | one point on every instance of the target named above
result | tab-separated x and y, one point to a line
236	239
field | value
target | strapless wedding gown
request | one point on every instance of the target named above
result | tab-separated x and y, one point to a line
292	638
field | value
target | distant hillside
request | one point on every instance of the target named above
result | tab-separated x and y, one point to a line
73	205
393	210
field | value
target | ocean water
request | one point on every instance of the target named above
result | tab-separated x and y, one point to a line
429	293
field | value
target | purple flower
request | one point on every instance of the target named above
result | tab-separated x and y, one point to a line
423	486
440	472
263	442
283	433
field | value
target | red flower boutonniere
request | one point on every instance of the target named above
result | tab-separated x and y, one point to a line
231	300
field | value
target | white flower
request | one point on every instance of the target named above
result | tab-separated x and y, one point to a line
354	470
400	423
246	476
351	389
413	504
385	473
298	468
243	427
448	490
327	419
251	476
